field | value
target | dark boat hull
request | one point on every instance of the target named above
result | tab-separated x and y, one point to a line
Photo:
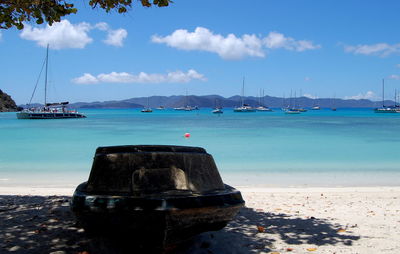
46	115
159	221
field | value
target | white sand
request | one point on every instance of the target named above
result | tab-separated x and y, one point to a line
294	220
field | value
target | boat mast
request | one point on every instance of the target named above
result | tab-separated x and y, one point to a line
243	93
45	78
383	92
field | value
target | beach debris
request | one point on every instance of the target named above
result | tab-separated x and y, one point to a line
289	249
311	249
261	229
274	252
341	230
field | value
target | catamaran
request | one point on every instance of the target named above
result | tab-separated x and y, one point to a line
244	107
57	110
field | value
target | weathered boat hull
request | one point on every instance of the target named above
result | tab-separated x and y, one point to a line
159	221
156	195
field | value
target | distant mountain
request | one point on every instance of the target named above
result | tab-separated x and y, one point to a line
7	104
209	101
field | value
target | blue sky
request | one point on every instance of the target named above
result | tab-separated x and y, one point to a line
316	48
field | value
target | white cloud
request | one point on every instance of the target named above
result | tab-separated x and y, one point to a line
142	77
276	40
367	95
230	47
60	35
103	26
116	37
310	96
63	34
379	49
394	76
307	79
87	78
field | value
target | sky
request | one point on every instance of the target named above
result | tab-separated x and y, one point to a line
319	49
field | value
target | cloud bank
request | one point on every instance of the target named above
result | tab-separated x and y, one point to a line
63	34
142	77
394	76
231	47
310	96
360	96
379	49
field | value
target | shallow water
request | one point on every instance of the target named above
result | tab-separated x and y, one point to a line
317	148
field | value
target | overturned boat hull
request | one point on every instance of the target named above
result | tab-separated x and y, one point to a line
159	221
156	195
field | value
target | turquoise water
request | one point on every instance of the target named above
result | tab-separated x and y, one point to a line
346	147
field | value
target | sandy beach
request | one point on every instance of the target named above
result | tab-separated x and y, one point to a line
275	220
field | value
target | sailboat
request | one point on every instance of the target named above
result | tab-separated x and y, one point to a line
385	109
261	106
217	109
244	107
186	107
316	106
300	108
57	110
292	109
147	109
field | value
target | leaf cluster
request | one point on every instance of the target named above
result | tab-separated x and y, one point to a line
13	13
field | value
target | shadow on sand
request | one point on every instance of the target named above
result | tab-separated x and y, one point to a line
31	224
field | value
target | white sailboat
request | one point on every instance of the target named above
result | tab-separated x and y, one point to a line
57	110
186	107
217	109
292	109
244	107
385	109
147	109
262	106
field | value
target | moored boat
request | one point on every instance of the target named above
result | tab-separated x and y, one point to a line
217	111
243	107
292	111
50	111
386	109
57	110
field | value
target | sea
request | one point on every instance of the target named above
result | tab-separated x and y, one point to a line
347	147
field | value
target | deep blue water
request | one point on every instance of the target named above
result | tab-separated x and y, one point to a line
346	147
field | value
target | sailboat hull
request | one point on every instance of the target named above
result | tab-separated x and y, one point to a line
48	115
